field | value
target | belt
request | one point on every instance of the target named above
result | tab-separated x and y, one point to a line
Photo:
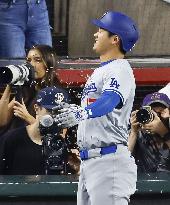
97	152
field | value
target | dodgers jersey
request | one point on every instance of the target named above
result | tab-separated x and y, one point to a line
116	76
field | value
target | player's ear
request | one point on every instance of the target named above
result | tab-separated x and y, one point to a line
115	39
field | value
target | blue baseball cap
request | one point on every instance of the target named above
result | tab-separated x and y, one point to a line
121	25
156	98
49	97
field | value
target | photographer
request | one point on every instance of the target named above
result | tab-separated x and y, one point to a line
43	60
23	150
149	138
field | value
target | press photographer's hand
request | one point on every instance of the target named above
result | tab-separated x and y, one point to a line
21	111
135	126
155	126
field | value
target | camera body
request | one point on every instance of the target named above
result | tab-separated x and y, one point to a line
53	145
56	149
17	74
48	126
54	152
145	115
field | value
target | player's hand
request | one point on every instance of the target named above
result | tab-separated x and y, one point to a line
135	126
21	111
61	106
70	115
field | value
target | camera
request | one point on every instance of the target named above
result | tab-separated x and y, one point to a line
53	145
145	115
47	125
58	157
17	74
54	152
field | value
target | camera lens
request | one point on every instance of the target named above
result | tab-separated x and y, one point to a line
144	116
17	74
46	121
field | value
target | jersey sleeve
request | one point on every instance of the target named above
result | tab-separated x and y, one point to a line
105	104
118	80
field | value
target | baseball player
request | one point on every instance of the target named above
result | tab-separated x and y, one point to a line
107	172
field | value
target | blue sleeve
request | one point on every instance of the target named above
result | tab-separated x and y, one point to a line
105	104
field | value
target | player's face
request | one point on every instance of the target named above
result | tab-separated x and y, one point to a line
35	59
103	43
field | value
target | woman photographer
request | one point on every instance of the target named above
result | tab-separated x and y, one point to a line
150	141
43	59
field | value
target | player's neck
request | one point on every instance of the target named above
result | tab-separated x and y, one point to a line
111	56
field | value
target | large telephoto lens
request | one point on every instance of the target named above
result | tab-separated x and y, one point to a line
16	74
5	75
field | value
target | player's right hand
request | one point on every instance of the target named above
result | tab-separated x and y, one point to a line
70	115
